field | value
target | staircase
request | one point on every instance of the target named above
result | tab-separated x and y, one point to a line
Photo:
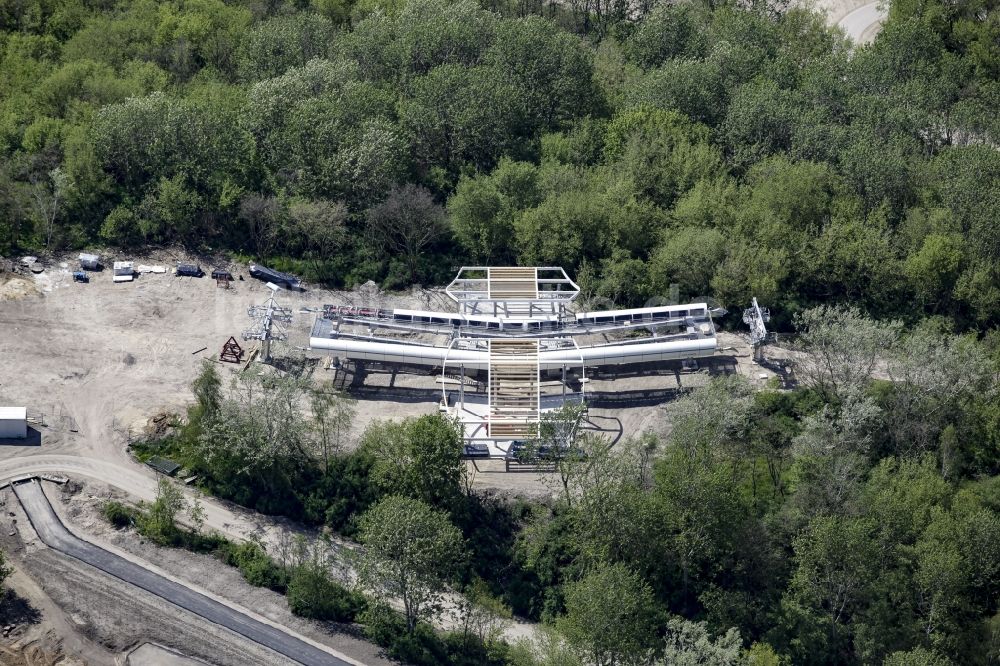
513	389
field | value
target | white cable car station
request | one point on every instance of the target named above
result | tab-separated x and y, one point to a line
516	334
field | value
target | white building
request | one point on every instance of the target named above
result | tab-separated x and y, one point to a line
13	422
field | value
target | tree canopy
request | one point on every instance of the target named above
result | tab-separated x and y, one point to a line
732	150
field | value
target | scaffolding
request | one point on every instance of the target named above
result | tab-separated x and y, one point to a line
512	291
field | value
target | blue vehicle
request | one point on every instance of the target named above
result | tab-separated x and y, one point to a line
80	276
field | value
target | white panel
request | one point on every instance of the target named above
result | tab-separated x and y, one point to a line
603	355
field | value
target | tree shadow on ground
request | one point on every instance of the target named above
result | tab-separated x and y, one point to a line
15	609
297	366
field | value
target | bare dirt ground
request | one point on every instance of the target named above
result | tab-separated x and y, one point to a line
101	358
42	633
861	20
151	654
94	362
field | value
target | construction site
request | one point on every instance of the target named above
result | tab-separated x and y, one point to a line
515	346
497	349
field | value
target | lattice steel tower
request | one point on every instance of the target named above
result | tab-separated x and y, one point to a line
267	323
756	317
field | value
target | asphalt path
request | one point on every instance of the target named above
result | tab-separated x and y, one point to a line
55	535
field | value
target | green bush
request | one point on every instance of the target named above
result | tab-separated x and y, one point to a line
257	567
312	594
425	646
119	514
203	543
422	648
382	624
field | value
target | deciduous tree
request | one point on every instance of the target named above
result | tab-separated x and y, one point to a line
411	551
407	222
844	347
610	616
419	458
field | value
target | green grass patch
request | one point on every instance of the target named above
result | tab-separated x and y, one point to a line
165	447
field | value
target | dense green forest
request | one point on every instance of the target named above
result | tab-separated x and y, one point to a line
730	150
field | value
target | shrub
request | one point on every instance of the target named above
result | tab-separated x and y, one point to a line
118	514
382	624
312	594
203	543
257	567
424	647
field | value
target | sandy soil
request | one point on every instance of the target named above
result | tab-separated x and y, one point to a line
101	358
42	632
861	20
151	654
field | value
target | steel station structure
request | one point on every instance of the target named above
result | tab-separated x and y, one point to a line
519	327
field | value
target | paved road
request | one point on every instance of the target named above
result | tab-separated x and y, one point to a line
863	23
55	535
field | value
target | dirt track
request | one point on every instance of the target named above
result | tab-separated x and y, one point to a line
861	20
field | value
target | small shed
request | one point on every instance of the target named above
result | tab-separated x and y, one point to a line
90	262
163	465
13	422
